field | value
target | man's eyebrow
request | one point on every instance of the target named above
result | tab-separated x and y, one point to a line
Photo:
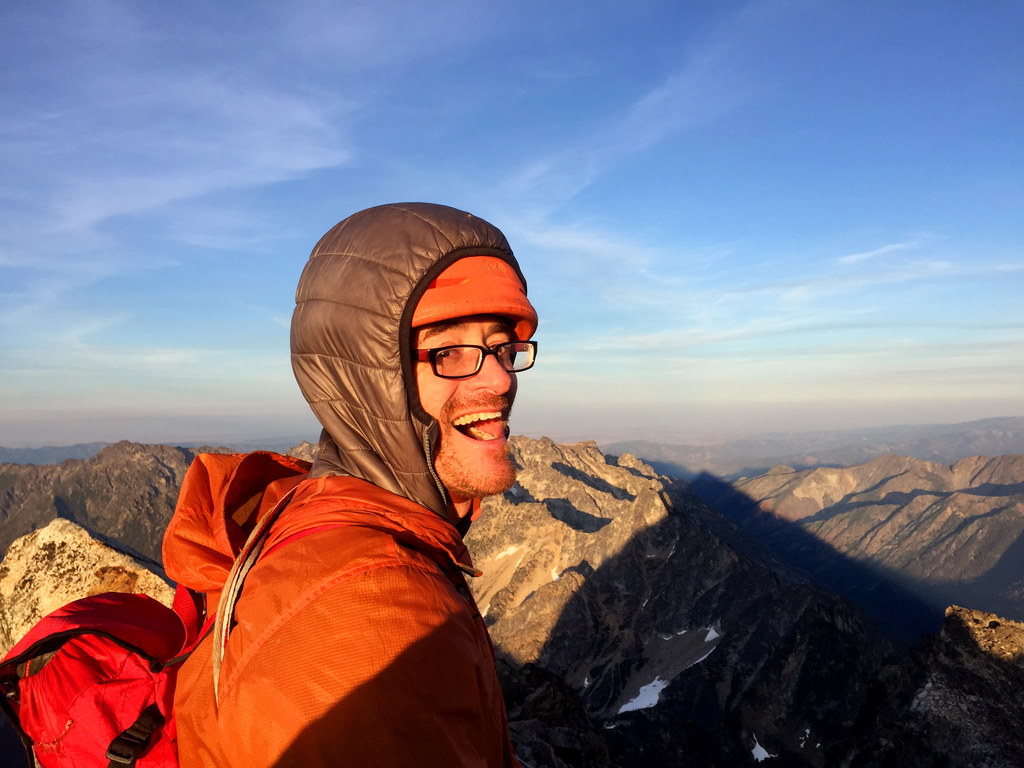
429	332
438	329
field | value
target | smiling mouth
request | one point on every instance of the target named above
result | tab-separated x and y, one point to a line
487	425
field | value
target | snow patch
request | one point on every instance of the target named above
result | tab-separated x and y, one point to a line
510	551
647	697
711	635
759	753
555	575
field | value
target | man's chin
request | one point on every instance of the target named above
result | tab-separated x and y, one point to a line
471	471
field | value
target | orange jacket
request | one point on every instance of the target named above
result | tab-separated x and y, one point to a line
357	643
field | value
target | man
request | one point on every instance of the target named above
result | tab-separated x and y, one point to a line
355	640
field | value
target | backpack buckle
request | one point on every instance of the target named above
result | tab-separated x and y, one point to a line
125	748
128	745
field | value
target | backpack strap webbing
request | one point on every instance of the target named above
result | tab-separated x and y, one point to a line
124	750
246	559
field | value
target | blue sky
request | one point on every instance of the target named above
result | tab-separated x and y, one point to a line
734	217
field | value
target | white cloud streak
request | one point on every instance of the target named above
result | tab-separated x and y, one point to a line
856	258
704	89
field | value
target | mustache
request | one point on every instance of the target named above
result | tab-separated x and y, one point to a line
457	406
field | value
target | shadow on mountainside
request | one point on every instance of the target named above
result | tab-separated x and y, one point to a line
1000	589
909	604
904	607
564	510
786	670
694	657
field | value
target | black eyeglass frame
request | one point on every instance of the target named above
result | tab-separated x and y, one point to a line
430	356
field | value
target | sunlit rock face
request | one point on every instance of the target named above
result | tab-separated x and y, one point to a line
60	563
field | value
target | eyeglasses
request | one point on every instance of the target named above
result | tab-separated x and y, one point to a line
460	361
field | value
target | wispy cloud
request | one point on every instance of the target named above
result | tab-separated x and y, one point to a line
856	258
133	139
172	141
703	89
88	138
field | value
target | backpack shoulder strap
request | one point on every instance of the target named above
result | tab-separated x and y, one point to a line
246	559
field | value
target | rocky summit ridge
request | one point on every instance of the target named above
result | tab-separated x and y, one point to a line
637	626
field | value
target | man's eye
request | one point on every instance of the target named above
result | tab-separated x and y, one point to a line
454	355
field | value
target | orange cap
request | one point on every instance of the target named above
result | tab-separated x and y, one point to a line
477	285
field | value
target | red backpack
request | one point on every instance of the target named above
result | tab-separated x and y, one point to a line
92	684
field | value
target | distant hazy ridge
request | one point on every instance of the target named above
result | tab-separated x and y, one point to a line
942	443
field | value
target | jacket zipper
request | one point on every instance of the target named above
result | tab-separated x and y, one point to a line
430	465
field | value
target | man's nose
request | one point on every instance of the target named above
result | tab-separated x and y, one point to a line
493	376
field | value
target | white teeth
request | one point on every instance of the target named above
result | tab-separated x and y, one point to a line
479	434
469	418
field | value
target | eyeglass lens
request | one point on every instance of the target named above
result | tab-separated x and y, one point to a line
466	360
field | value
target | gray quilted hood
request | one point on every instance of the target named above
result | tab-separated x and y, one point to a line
351	333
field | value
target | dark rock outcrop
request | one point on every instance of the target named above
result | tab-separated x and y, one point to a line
958	703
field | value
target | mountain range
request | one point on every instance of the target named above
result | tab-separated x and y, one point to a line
636	624
941	443
126	493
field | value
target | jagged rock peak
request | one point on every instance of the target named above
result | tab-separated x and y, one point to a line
621	586
305	450
59	563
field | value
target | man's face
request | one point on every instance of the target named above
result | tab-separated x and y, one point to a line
473	459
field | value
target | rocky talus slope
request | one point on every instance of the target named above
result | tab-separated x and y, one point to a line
901	535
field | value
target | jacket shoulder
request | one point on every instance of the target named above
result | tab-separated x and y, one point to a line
220	500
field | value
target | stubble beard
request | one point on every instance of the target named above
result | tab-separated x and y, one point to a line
465	473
